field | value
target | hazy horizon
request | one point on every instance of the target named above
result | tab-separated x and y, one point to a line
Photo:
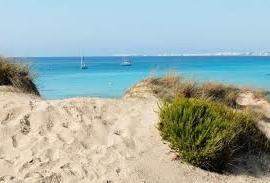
210	54
107	28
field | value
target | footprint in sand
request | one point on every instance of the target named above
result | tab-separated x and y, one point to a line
6	178
117	132
53	178
14	141
31	104
25	124
8	116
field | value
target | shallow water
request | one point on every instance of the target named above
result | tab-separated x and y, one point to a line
61	77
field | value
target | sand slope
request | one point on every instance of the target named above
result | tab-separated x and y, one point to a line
90	140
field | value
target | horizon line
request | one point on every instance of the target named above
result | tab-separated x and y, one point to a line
252	53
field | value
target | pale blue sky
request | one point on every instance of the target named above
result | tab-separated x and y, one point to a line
108	27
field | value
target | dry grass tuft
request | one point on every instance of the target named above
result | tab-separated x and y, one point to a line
173	85
17	75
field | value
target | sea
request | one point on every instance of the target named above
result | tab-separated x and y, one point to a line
61	77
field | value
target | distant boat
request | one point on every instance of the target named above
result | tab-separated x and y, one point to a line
83	65
125	62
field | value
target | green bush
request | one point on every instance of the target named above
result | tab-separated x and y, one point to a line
17	75
207	134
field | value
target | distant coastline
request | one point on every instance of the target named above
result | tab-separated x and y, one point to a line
252	54
211	54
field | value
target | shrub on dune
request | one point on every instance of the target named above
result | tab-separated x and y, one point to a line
209	135
17	75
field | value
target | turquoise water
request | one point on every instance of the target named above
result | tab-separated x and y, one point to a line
61	77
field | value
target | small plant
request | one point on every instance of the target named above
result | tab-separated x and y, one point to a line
207	134
17	75
226	94
165	87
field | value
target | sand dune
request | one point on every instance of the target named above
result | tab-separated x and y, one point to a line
92	140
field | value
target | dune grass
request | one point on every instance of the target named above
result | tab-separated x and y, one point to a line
173	85
17	75
208	134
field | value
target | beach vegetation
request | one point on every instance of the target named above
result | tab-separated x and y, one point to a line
173	85
208	134
17	75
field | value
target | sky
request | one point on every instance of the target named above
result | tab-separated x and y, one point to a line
146	27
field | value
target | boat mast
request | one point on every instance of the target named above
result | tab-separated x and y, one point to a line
81	60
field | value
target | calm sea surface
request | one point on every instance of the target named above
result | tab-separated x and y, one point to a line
61	77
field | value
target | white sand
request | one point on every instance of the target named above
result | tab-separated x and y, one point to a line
91	140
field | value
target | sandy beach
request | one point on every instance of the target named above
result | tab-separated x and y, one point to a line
134	91
95	140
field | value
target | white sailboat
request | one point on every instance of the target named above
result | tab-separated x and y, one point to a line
125	62
83	65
